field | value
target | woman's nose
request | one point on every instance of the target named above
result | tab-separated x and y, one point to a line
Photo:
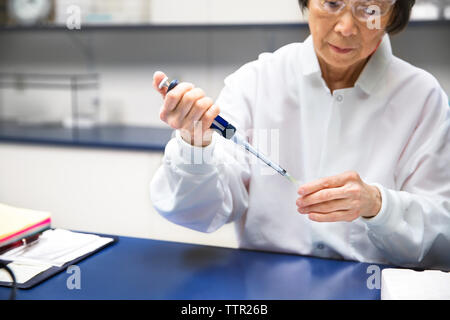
346	24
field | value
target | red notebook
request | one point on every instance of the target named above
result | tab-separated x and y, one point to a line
18	225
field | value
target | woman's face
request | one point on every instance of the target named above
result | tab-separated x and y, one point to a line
341	40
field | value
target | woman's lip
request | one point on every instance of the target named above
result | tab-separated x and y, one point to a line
340	50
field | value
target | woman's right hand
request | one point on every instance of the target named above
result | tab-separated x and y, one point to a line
187	109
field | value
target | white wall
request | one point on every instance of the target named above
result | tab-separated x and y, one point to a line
104	191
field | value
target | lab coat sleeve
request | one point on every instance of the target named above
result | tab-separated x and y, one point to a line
415	219
205	188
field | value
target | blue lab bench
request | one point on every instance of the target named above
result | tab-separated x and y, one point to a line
136	268
104	136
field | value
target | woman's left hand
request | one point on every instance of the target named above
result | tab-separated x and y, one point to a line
343	197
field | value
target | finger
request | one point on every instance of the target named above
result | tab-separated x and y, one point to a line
335	216
321	196
327	182
209	116
175	95
159	76
327	207
202	105
188	102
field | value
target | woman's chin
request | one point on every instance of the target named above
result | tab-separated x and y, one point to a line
342	60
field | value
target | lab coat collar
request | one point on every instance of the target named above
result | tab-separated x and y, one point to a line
375	68
371	74
309	61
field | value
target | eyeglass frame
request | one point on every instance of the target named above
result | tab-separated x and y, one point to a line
319	4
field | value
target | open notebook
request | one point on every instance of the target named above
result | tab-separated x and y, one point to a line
35	252
18	224
55	250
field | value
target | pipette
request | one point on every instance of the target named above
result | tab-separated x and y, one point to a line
228	131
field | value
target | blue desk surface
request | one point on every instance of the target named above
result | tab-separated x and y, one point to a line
105	136
148	269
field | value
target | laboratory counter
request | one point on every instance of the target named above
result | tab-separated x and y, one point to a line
135	268
101	136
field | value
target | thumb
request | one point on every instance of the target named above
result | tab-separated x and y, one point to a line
159	76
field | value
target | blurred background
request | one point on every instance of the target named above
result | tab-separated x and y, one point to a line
80	134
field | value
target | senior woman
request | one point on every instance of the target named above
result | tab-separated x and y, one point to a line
366	133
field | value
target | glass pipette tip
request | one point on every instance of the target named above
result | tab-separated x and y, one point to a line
241	141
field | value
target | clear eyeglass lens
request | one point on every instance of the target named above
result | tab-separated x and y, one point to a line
367	9
363	9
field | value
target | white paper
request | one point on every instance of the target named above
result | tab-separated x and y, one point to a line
22	272
56	247
406	284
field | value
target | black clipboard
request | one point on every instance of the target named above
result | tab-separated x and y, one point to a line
44	275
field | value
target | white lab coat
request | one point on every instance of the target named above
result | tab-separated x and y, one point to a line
392	127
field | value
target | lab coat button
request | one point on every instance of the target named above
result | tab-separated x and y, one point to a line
339	98
320	246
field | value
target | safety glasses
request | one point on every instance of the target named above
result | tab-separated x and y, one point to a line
363	10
